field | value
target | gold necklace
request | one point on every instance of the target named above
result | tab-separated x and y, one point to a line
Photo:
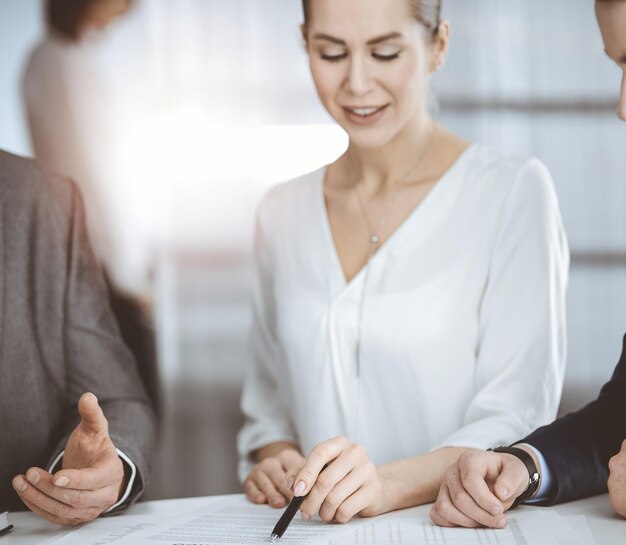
374	241
374	236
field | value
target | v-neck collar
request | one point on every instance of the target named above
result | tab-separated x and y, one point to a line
396	234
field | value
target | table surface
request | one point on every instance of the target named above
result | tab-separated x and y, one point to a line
607	528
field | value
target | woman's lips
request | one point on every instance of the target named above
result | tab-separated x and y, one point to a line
364	115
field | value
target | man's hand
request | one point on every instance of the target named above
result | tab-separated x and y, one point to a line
92	477
478	489
617	481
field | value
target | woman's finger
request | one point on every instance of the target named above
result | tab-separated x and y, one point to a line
349	459
253	492
265	484
322	454
344	489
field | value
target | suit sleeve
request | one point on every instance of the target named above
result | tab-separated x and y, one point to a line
98	361
578	446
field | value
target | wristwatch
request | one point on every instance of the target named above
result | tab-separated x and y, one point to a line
533	472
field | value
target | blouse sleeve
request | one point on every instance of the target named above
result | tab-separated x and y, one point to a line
522	340
267	415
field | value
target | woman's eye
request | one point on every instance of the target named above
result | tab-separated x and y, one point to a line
333	57
385	56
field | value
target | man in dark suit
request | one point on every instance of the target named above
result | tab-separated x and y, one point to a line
59	455
570	458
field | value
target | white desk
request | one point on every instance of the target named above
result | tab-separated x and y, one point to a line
607	528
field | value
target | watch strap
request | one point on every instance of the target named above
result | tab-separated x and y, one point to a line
533	472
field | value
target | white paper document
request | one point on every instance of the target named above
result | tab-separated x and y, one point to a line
537	528
108	530
237	522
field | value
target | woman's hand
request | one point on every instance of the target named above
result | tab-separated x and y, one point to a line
349	485
267	482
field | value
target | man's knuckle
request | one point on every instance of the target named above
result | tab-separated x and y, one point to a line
79	500
62	510
444	507
457	497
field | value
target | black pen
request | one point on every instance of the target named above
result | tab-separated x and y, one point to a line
286	518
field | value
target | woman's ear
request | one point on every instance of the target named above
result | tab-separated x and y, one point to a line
441	44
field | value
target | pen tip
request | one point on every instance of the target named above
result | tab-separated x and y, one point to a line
274	538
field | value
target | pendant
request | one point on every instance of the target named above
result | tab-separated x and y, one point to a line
374	238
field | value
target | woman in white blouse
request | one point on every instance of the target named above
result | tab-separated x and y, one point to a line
410	296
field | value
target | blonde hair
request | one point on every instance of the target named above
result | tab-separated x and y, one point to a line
426	12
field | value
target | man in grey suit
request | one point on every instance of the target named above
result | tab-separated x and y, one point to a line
59	455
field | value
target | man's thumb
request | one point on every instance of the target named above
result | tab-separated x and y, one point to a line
91	415
511	482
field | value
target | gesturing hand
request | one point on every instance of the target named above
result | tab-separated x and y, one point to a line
478	488
267	482
92	477
617	481
348	486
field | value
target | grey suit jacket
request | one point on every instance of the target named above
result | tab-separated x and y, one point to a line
58	337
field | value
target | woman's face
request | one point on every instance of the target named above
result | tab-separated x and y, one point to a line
370	61
103	12
612	21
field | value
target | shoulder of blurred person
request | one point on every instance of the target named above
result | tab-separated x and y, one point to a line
59	337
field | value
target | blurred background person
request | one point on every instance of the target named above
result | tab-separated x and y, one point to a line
70	107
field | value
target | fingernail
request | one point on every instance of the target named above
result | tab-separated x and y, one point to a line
299	489
290	481
305	516
33	476
20	484
504	492
502	523
62	481
496	510
276	501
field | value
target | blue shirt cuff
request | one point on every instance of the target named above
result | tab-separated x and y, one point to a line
545	485
54	466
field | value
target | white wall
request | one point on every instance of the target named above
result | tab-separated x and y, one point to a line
20	26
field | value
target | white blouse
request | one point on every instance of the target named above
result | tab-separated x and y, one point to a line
463	323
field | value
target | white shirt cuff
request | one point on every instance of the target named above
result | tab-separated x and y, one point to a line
131	481
545	485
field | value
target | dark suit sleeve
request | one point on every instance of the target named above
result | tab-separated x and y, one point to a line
578	446
96	358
